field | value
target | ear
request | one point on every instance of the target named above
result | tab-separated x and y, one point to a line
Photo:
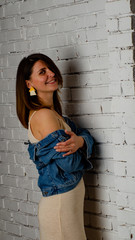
28	84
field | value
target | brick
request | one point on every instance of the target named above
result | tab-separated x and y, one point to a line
121	153
65	25
47	28
92	207
125	184
112	25
100	222
11	205
80	94
31	172
23	20
25	182
15	146
86	50
126	216
34	196
122	199
33	31
9	73
126	56
14	35
101	19
3	37
5	215
66	53
39	17
20	218
125	23
16	170
13	228
33	221
117	7
9	181
109	209
87	21
6	159
12	9
65	94
22	159
38	44
26	7
124	232
77	37
123	105
96	34
120	40
27	207
120	169
110	235
5	191
96	6
68	11
57	40
99	194
28	232
130	120
112	195
19	133
102	47
2	225
6	236
22	46
18	194
106	178
93	233
7	24
102	63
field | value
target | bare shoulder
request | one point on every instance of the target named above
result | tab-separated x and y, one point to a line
43	114
44	122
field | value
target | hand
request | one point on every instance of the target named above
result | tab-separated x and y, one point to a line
71	145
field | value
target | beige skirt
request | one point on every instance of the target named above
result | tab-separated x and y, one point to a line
61	216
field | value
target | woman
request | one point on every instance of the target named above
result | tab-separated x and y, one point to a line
59	149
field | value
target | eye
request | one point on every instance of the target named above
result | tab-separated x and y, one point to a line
43	71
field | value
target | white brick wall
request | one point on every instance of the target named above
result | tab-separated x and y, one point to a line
91	43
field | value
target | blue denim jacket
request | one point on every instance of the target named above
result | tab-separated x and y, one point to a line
58	174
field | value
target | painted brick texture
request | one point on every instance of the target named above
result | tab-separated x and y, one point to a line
92	42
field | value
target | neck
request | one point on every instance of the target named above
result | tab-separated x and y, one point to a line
47	99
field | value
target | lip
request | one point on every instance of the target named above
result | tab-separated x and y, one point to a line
51	82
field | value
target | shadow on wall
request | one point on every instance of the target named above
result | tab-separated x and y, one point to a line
72	69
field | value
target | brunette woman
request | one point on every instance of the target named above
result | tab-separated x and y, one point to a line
59	149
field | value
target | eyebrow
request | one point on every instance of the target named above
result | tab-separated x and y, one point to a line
42	69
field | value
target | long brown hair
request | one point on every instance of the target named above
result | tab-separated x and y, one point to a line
24	102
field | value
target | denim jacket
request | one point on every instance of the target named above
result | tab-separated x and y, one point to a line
58	174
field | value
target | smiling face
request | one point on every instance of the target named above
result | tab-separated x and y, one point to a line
42	79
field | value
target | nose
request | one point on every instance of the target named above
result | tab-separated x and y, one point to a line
50	73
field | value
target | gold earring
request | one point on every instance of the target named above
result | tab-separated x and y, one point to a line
32	91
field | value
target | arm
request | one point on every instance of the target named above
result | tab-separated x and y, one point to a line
85	140
43	123
44	154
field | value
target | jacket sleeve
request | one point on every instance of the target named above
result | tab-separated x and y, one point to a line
89	141
46	154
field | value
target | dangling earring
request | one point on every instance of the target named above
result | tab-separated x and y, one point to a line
32	91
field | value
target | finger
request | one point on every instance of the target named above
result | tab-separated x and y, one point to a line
69	132
66	143
65	148
67	154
